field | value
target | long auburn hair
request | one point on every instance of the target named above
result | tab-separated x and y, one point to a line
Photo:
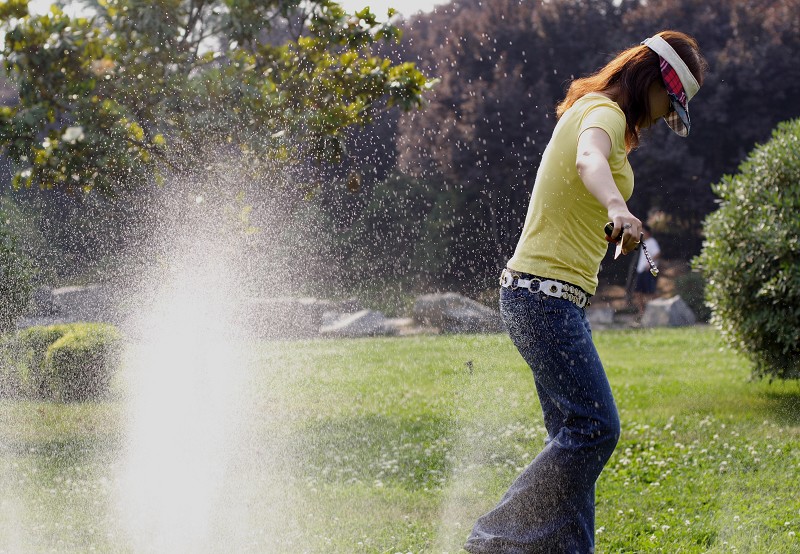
629	76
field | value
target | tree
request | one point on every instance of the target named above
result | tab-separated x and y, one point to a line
751	256
504	65
140	90
16	274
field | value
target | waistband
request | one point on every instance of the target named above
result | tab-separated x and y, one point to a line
552	287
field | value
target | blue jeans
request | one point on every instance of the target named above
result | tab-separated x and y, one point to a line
550	507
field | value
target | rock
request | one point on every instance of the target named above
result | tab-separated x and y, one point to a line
402	326
364	323
454	313
329	317
283	318
42	303
43	311
89	303
668	312
349	306
600	316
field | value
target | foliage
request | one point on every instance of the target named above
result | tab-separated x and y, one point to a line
65	234
29	351
751	256
20	221
16	275
401	238
68	362
140	90
80	364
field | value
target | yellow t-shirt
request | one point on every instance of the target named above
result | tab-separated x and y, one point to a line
563	235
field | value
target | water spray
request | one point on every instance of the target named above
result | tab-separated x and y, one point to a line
609	230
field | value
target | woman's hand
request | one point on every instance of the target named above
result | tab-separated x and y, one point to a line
626	224
594	148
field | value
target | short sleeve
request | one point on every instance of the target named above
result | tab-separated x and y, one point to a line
609	119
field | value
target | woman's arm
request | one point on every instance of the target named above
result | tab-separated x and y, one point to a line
594	148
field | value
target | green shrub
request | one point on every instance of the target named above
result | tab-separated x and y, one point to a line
79	365
69	362
691	288
29	350
751	256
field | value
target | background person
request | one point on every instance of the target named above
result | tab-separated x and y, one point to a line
583	181
644	288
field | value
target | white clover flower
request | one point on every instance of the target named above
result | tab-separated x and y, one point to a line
73	135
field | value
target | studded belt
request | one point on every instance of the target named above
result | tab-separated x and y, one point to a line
559	289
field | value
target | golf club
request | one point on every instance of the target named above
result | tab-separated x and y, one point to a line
609	229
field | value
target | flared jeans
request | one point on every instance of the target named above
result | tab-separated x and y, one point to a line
550	507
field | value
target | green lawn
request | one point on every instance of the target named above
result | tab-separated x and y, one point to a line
397	445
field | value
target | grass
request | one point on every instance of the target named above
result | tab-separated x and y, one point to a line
397	445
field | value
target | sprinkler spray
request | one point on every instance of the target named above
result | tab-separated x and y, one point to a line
609	229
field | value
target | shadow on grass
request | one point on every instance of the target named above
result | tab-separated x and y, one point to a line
783	400
62	451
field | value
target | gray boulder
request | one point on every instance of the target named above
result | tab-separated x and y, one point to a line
94	303
42	303
283	318
600	316
454	313
403	326
87	303
348	306
336	310
668	312
329	317
364	323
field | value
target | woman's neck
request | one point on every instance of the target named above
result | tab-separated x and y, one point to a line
612	93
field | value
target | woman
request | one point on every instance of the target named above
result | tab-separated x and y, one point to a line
583	181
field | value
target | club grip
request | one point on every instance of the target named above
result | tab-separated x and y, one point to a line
609	229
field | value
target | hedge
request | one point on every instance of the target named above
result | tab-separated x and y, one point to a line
29	351
751	256
69	363
79	365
